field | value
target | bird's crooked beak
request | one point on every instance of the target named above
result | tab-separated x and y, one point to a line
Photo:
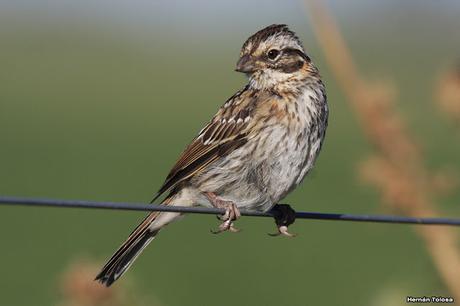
245	64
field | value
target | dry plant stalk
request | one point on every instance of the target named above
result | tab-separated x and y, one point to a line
397	168
78	288
448	94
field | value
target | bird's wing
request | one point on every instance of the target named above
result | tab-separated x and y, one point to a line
226	132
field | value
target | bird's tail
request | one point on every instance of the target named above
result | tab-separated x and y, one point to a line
127	253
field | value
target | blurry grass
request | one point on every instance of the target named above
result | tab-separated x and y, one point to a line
92	116
77	288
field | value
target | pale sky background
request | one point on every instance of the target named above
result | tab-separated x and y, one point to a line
208	16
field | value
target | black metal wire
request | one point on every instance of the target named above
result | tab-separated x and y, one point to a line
40	202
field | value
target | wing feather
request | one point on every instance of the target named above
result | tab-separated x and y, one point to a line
226	132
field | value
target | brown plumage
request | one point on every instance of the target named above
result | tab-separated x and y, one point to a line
257	148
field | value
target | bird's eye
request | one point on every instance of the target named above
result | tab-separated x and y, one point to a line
273	53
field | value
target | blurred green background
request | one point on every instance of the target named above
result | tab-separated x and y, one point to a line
98	98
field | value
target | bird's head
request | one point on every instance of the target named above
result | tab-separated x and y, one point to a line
273	55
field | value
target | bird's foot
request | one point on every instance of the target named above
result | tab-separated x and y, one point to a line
231	213
284	216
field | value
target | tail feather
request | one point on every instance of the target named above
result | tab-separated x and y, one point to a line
142	235
122	259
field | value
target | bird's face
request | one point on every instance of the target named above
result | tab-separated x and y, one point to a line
273	55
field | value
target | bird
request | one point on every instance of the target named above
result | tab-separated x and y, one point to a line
257	148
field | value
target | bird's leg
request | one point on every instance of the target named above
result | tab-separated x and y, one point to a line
231	213
284	216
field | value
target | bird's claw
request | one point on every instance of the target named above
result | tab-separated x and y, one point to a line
226	226
231	214
284	216
283	230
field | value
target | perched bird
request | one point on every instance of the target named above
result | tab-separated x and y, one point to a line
258	147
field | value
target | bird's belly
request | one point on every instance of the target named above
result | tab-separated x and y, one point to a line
262	172
283	160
